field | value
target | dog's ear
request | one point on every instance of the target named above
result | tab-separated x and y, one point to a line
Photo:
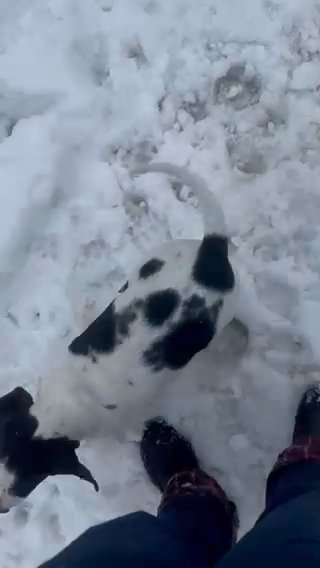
18	401
64	461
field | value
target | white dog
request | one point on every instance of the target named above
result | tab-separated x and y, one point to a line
170	308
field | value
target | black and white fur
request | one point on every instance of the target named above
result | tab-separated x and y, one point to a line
172	306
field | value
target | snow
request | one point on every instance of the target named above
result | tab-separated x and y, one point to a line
306	76
89	88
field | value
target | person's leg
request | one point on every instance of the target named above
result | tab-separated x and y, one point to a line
288	531
193	507
196	508
136	541
196	523
290	479
297	470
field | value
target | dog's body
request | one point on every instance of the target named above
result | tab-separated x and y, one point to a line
171	307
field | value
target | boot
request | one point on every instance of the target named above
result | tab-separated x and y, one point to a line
307	423
165	452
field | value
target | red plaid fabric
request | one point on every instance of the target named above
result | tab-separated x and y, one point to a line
303	448
197	482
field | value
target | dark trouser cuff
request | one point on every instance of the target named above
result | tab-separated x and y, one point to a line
303	448
197	482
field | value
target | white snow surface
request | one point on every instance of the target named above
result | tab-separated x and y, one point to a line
90	88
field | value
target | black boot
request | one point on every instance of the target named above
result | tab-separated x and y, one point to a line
308	414
165	452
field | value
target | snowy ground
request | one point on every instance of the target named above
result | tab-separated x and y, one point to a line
87	89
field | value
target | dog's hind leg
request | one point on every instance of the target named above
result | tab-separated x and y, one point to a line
229	347
240	332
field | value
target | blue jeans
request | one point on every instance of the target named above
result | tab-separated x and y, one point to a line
195	527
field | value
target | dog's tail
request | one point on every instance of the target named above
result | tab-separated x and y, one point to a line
213	216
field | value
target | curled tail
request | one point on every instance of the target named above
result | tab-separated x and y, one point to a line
212	212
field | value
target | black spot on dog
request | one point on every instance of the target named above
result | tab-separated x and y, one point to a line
159	306
100	336
124	287
185	340
181	343
150	268
124	319
106	332
212	268
193	305
153	356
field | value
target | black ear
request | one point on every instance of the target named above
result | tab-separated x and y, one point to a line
65	461
84	473
16	401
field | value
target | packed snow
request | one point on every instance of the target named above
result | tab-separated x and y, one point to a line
91	88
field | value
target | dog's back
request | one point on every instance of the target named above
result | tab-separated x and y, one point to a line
170	308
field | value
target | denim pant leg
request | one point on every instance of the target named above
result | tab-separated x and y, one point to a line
296	472
195	525
137	540
197	510
288	531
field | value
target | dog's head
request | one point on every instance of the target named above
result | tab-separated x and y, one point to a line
25	459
